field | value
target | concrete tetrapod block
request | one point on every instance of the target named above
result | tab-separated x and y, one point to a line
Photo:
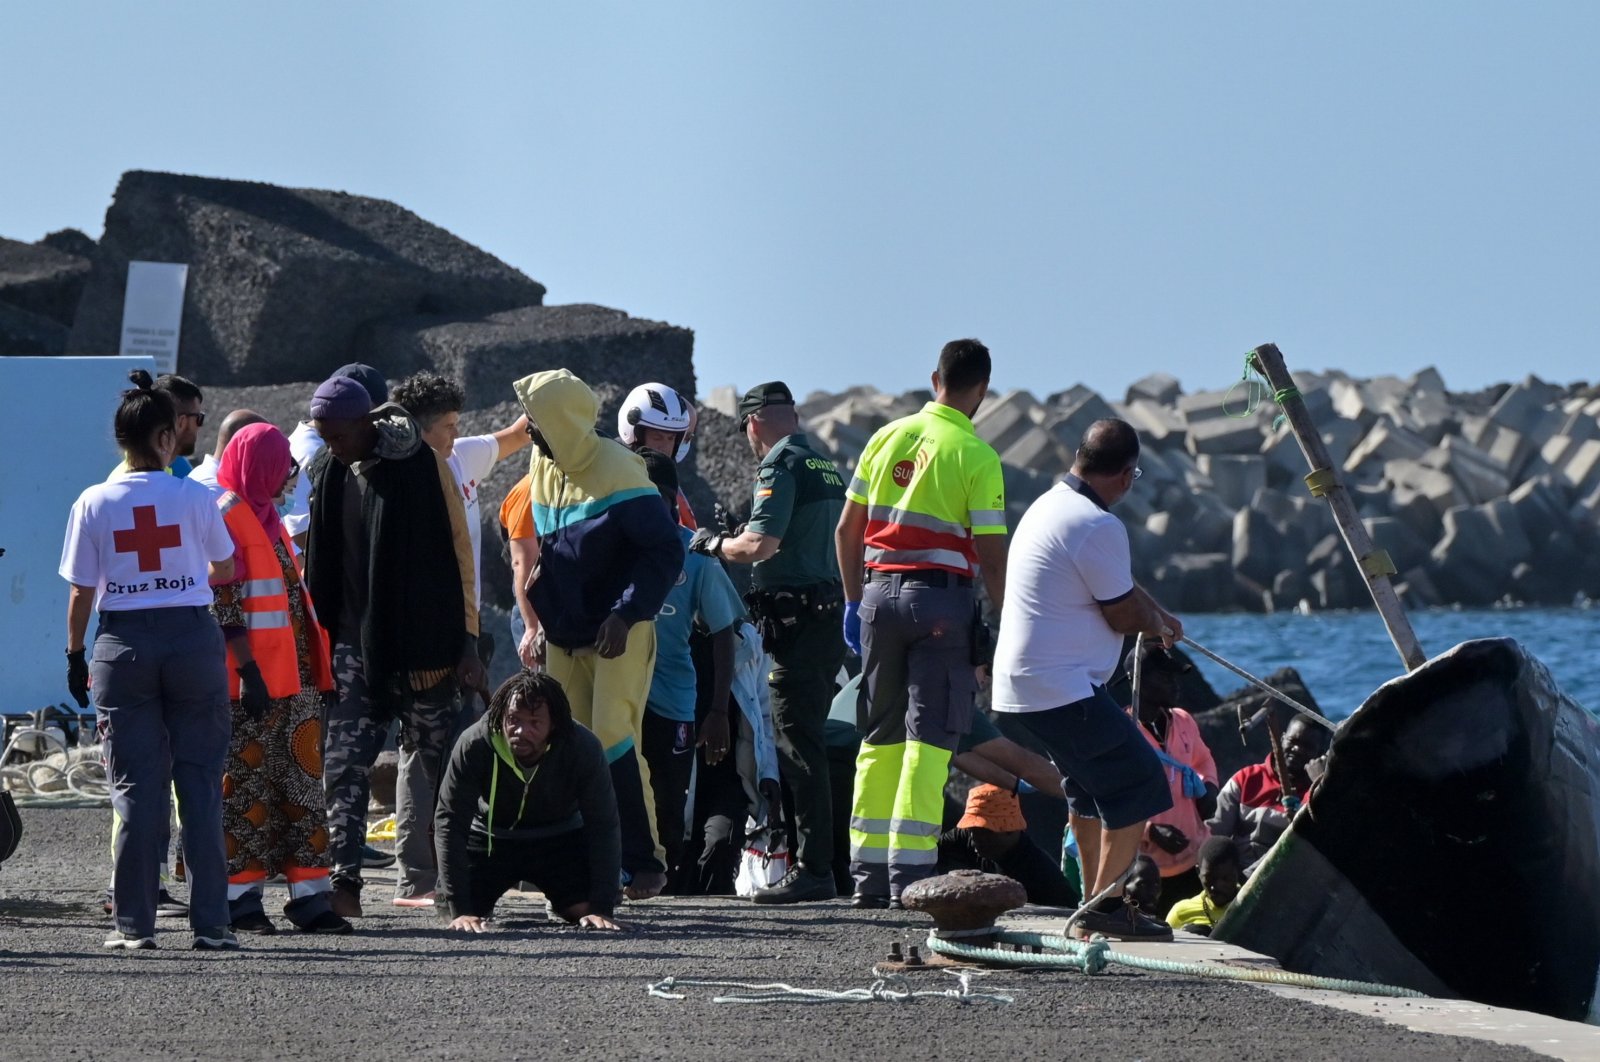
1235	478
1159	388
1525	408
1581	424
1037	449
1581	469
1404	546
1542	507
1480	478
1259	551
1068	425
724	400
1210	529
281	280
1515	545
1467	565
41	280
1157	425
1507	448
1422	495
1385	441
1202	581
1006	420
1224	436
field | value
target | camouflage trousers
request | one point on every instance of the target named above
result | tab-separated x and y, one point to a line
356	729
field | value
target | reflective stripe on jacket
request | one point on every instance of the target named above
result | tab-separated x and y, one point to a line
265	602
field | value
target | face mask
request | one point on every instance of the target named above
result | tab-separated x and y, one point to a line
285	506
683	449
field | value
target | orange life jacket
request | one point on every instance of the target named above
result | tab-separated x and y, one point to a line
266	608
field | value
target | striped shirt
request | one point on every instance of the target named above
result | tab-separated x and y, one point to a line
929	485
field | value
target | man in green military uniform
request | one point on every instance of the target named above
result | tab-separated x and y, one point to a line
798	605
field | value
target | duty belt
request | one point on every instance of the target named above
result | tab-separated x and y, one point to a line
777	611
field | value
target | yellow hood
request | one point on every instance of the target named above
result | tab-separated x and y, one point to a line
564	410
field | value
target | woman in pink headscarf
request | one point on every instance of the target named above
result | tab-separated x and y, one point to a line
273	815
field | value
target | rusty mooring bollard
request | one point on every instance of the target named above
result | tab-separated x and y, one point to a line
964	903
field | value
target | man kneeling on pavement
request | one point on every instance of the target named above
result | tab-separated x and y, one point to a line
527	796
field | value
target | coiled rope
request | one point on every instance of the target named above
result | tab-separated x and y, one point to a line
1094	956
1256	388
894	988
73	776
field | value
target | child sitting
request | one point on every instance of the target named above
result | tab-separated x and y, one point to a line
1221	874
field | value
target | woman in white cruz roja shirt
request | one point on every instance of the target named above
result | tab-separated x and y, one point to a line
141	549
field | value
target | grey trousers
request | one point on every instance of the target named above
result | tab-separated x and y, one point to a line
355	736
161	690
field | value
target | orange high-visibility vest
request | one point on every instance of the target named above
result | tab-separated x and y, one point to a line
266	608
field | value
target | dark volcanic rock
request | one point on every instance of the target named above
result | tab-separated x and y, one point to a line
71	241
281	280
723	467
606	348
22	332
1220	725
43	281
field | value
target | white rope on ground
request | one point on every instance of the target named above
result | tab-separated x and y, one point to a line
74	777
895	988
1260	684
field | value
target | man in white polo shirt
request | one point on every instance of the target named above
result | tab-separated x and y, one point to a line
1070	598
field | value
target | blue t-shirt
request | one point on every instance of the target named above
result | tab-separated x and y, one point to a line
703	591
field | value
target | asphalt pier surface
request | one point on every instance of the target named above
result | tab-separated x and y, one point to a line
404	987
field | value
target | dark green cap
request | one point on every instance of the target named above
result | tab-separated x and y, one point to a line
773	393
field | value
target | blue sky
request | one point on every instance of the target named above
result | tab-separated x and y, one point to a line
827	191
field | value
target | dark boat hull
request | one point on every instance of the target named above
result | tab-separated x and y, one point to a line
1453	845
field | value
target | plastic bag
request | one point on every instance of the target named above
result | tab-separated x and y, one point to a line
764	861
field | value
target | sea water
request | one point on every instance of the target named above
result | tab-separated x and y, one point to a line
1344	656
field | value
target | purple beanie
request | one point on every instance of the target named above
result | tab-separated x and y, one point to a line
340	398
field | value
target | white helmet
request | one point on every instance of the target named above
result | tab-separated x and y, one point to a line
655	405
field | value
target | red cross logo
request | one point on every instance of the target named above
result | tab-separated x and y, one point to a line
147	538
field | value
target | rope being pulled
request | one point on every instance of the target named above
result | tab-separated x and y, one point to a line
1260	684
894	988
1092	957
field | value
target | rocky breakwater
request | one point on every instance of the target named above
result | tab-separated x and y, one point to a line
1479	498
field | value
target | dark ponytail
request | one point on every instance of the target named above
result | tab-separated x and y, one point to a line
144	413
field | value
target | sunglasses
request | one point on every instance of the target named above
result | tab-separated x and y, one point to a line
199	418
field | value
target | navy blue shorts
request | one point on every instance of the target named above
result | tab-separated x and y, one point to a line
1111	771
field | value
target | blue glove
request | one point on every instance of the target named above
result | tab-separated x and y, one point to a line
852	626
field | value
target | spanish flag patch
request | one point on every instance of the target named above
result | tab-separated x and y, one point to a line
764	492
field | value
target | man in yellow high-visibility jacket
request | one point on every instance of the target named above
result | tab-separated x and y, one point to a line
923	515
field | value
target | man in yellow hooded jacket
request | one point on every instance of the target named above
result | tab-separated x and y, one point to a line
609	552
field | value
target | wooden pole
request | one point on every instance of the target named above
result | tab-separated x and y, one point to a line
1324	482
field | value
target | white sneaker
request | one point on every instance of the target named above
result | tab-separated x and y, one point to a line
120	941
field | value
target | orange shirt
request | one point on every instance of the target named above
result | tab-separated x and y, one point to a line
516	512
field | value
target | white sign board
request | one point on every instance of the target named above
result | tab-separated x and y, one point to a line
70	402
152	311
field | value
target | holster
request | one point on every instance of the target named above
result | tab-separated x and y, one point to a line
981	638
776	613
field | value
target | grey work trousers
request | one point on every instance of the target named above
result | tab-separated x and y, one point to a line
355	734
161	692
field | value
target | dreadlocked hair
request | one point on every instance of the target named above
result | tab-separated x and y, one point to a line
530	688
